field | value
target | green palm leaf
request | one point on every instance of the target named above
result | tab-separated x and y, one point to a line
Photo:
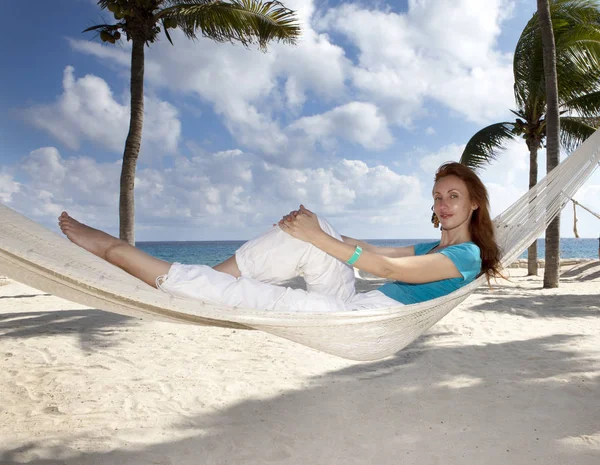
575	130
486	144
576	25
98	26
587	105
244	21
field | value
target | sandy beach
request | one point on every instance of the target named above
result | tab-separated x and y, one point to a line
512	376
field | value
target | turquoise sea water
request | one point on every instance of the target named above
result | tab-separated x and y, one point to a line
213	252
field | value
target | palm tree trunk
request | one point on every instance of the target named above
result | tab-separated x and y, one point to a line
551	271
132	144
532	265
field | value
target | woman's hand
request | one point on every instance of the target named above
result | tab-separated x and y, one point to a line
288	217
301	224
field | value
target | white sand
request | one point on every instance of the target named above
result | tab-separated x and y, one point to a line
509	377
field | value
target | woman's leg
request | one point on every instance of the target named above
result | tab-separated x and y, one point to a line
113	250
275	257
205	284
229	266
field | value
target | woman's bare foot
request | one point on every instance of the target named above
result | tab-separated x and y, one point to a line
92	240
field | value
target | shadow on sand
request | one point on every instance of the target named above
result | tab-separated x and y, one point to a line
532	304
492	404
93	327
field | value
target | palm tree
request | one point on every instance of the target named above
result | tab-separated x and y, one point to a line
576	26
141	21
552	131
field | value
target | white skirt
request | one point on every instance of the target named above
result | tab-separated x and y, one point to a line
268	261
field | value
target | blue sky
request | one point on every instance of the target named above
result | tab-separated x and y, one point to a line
352	121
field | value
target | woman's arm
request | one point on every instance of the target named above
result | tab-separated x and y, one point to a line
392	252
409	269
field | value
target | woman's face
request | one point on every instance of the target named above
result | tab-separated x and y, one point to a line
451	202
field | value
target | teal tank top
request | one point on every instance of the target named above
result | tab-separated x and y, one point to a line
467	259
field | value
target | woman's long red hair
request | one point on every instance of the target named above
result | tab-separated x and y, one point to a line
481	227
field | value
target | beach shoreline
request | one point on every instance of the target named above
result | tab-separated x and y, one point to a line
512	375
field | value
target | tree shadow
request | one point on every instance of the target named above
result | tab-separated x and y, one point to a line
93	327
24	296
426	405
579	269
588	277
537	306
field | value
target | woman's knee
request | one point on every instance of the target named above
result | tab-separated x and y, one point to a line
115	253
229	266
327	227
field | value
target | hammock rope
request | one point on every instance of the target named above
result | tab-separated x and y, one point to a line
42	259
576	203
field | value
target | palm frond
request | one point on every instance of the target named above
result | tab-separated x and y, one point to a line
96	27
587	106
576	25
528	64
169	3
166	29
244	21
146	4
487	144
575	130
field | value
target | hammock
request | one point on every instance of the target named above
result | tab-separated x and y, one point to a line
38	257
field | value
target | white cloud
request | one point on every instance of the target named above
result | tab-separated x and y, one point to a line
463	31
432	161
234	194
224	194
440	49
87	110
358	122
479	94
243	86
78	184
118	56
8	187
315	65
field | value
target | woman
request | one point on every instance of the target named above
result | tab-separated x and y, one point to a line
303	244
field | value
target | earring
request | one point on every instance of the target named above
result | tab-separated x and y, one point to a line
435	220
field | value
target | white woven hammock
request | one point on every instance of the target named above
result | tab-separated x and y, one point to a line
35	256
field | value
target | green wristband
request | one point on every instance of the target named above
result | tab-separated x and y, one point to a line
354	257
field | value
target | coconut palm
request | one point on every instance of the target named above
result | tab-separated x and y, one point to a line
552	132
576	26
141	21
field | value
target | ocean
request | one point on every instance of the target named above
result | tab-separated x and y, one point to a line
212	252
